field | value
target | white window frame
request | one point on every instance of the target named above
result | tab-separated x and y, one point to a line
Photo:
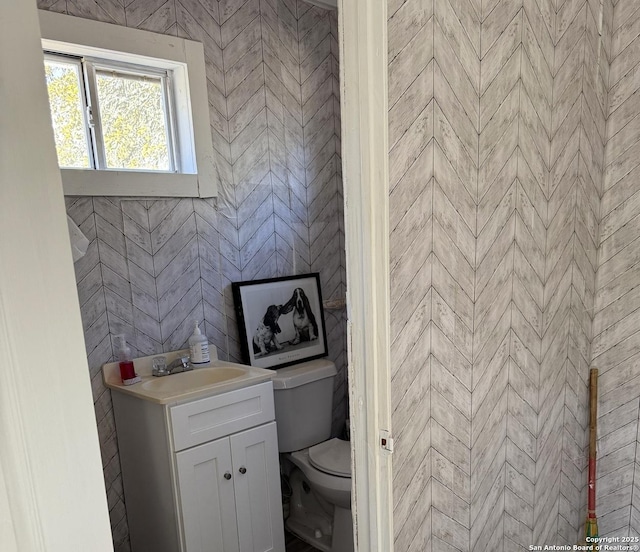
185	59
89	68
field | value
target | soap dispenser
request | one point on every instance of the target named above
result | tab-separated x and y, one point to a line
127	371
199	346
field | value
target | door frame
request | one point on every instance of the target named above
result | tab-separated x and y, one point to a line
364	118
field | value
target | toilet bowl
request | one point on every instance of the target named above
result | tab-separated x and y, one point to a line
327	470
319	468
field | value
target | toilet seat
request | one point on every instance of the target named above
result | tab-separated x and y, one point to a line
332	457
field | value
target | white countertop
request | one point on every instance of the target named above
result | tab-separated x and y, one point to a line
173	390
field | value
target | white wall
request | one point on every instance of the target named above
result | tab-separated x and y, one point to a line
7	535
49	456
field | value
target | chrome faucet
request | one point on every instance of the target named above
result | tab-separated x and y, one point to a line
181	364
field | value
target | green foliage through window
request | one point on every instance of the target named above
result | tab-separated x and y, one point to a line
133	123
65	99
129	126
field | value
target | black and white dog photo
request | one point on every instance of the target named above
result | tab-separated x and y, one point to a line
280	320
304	321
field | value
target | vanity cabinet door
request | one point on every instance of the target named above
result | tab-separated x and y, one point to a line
206	482
257	487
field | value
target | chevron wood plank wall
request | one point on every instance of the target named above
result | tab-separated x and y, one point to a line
616	343
456	79
411	143
152	266
496	122
577	155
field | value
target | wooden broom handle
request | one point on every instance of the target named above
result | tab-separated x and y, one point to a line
593	410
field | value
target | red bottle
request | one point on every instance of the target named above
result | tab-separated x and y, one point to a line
127	370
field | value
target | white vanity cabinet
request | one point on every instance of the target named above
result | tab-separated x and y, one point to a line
203	475
226	488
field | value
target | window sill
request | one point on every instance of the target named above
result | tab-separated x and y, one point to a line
78	182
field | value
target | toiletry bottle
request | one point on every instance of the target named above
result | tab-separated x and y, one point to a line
127	371
199	346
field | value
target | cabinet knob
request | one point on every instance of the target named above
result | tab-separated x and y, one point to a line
243	470
227	476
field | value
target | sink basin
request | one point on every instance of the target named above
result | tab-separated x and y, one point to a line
198	378
208	380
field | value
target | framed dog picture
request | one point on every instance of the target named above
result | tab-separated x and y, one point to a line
280	320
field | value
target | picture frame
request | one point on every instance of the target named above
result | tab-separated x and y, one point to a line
280	320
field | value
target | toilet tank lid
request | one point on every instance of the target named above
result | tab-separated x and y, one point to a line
303	373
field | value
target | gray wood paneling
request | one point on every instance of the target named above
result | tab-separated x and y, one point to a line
497	132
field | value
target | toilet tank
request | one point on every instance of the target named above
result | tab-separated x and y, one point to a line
303	395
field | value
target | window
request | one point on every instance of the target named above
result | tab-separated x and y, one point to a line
129	110
108	116
66	99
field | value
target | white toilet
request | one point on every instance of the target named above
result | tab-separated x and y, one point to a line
320	467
